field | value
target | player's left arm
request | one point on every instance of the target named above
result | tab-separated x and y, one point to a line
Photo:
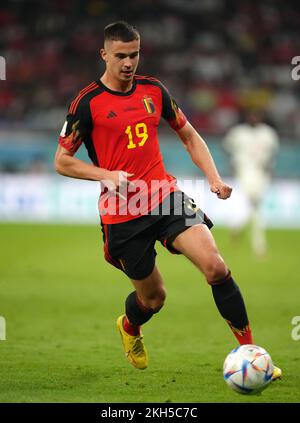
200	154
193	143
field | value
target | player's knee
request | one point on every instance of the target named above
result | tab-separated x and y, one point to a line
156	300
160	300
216	269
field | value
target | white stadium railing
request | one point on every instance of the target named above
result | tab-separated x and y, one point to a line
50	198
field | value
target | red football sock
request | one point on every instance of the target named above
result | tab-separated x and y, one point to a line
244	336
131	329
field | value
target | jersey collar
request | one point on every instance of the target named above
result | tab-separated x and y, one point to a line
104	87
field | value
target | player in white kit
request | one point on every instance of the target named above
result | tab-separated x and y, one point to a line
252	146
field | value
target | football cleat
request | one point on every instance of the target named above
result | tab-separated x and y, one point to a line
277	373
134	347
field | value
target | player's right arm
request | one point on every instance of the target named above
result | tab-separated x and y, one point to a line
68	165
77	129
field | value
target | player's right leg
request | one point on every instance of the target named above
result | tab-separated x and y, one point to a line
129	246
147	299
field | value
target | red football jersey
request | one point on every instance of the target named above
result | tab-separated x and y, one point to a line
119	131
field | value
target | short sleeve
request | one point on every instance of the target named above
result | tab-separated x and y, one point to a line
171	111
77	127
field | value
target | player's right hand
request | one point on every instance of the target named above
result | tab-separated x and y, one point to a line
117	181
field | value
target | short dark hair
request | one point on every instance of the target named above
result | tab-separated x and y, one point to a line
121	31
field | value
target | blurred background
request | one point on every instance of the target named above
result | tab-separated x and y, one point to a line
218	58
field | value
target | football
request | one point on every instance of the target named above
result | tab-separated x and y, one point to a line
248	369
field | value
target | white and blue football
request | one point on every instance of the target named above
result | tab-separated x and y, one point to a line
248	369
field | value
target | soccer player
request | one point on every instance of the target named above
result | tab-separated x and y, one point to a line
116	117
252	146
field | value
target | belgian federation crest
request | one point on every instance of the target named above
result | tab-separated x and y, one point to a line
149	105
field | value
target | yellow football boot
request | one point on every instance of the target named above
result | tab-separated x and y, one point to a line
134	347
277	373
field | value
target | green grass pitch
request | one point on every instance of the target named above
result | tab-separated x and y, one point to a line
60	300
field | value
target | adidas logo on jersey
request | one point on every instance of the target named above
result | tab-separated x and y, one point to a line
111	114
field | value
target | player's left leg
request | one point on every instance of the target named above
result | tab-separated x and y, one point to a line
198	245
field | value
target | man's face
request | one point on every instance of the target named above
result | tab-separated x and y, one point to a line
121	59
253	118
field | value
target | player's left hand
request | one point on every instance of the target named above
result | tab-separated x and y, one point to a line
222	190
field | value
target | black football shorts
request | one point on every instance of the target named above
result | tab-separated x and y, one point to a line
130	246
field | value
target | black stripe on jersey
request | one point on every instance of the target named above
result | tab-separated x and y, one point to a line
74	104
83	112
103	87
148	81
168	112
